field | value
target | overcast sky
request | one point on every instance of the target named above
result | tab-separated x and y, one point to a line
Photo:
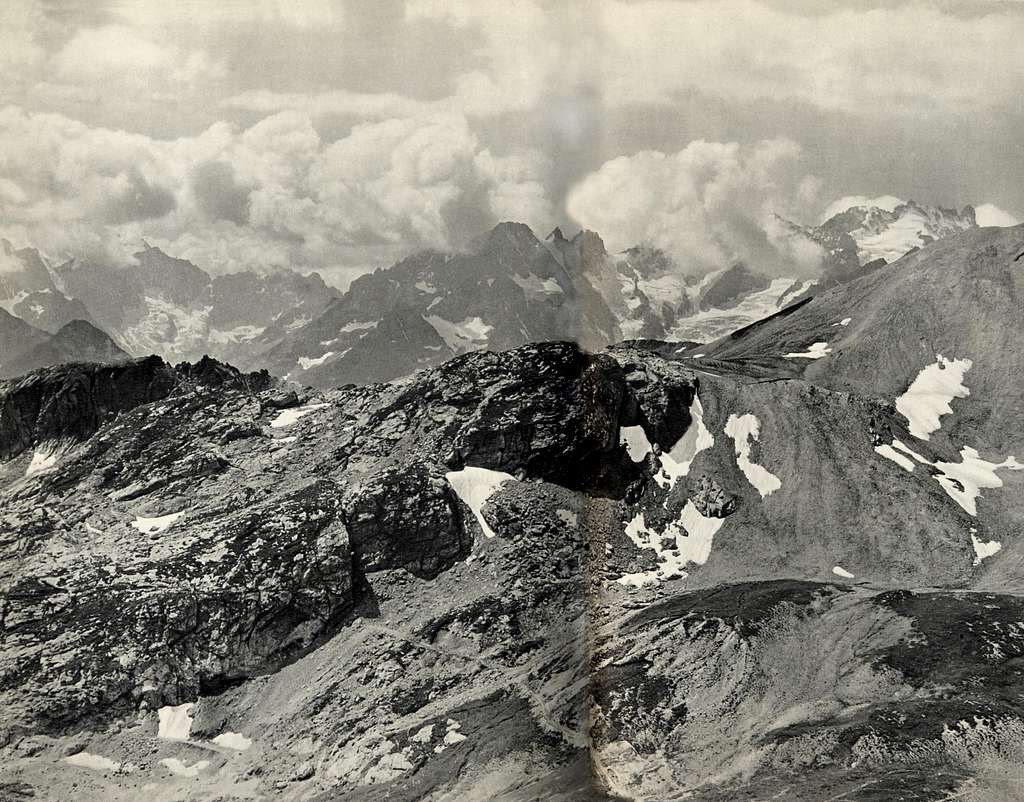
338	136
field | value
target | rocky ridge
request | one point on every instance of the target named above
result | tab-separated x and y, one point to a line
542	573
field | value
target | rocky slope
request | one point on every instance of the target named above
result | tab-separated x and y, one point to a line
537	574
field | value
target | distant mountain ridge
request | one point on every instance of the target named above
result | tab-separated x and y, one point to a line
506	288
77	341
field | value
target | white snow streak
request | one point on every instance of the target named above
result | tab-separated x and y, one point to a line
838	570
469	335
233	740
306	362
889	452
963	481
176	766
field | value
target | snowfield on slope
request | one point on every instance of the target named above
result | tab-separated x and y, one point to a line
693	535
742	430
928	397
983	549
963	481
697	437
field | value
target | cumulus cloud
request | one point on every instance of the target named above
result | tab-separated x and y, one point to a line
273	194
710	205
988	214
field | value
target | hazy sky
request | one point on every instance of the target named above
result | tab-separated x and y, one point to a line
338	136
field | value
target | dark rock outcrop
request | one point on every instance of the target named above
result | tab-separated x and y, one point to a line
70	402
408	518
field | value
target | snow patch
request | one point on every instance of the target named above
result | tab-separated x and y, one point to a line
88	760
844	322
175	766
159	524
239	334
929	395
983	549
693	535
634	438
452	736
233	740
43	459
676	463
469	335
816	351
536	285
306	362
838	570
291	416
358	325
742	429
175	722
964	480
474	486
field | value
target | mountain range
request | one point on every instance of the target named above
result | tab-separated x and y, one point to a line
784	562
504	289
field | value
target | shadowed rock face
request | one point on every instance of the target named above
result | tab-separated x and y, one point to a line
73	401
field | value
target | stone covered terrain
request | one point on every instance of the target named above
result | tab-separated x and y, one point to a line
652	572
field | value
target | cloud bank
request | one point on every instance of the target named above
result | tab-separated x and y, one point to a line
273	194
709	205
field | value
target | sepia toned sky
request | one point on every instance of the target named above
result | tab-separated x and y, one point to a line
339	136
